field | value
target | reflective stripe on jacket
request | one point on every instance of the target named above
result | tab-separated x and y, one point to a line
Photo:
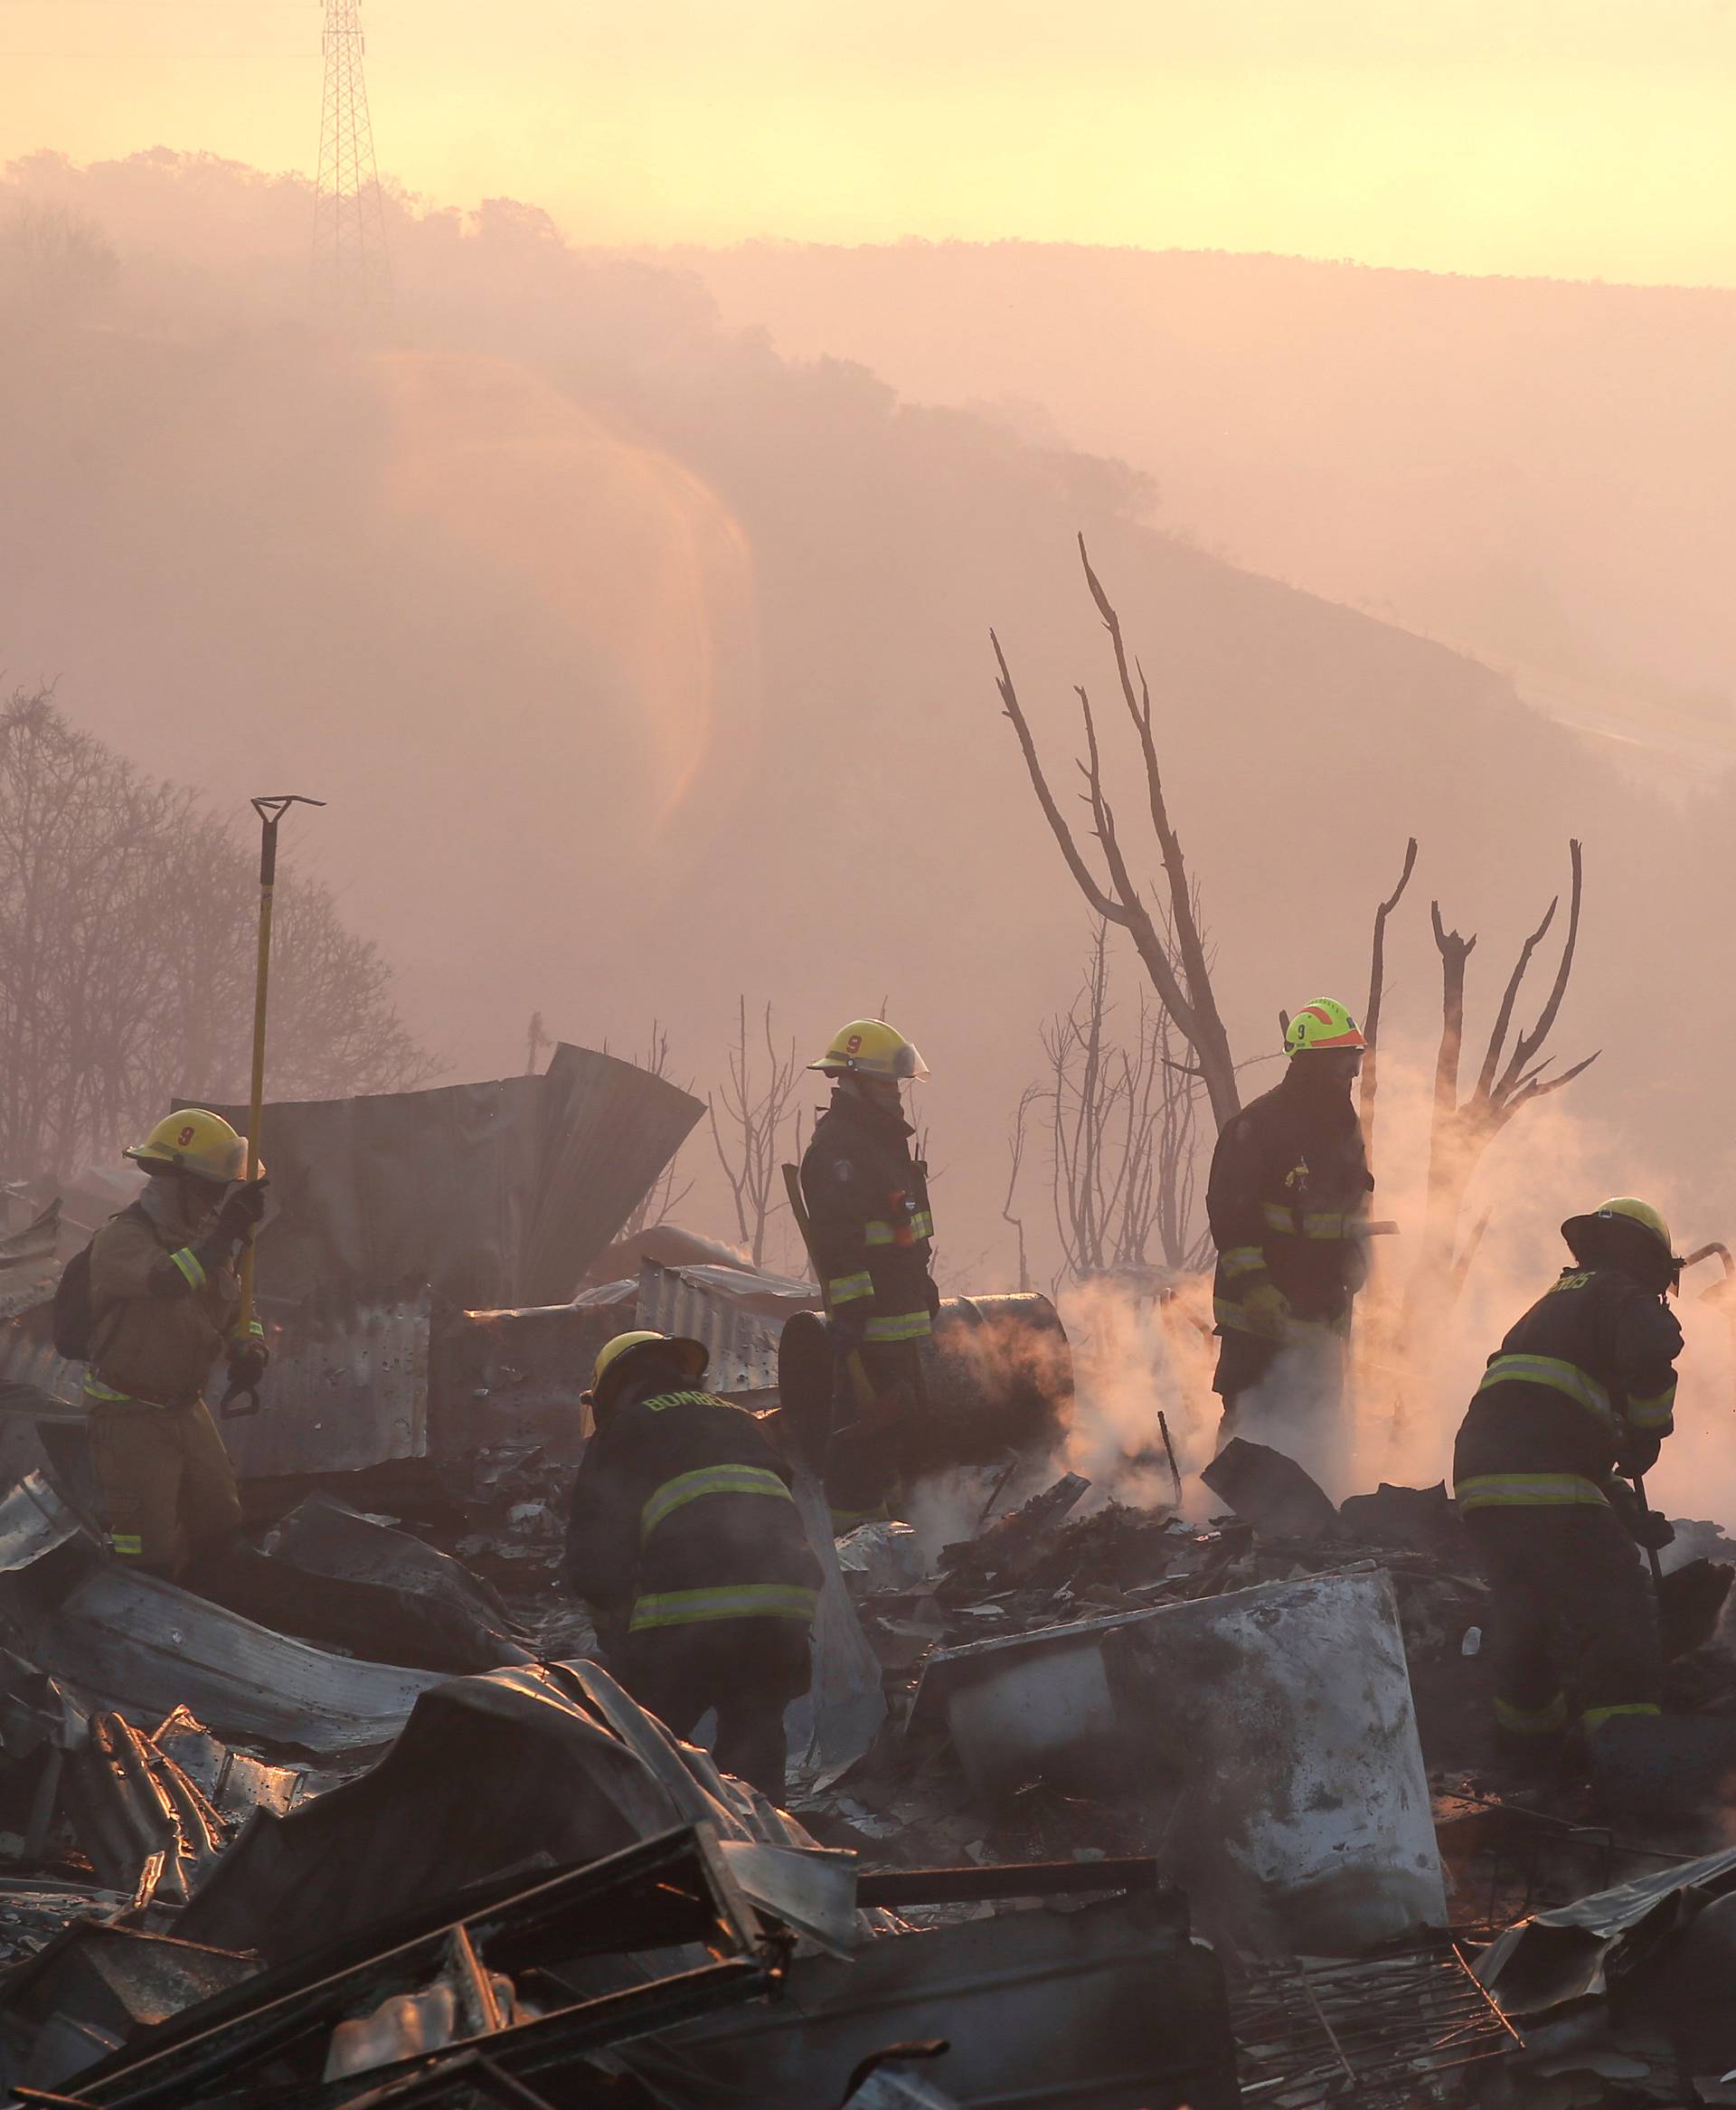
869	1220
733	1601
681	1512
1584	1376
1286	1199
158	1350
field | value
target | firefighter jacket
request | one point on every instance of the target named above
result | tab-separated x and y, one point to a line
1286	1199
681	1512
869	1224
1583	1387
147	1346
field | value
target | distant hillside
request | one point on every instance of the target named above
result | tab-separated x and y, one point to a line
1544	473
643	667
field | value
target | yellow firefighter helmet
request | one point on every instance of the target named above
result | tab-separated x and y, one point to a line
196	1141
614	1356
869	1047
1624	1208
1322	1024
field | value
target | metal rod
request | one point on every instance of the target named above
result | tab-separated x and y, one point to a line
1651	1551
1169	1452
270	811
966	1886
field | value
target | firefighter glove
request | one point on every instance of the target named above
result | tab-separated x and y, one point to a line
1266	1307
1637	1453
248	1362
1653	1529
241	1210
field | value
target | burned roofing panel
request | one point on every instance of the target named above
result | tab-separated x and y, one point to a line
340	1398
609	1128
496	1195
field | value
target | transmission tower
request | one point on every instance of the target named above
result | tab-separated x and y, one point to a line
351	271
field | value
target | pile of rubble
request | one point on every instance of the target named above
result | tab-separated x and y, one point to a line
337	1882
1097	1684
1093	1806
1144	1813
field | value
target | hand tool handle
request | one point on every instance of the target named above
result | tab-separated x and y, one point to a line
1651	1551
270	811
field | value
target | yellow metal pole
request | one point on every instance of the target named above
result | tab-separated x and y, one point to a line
270	812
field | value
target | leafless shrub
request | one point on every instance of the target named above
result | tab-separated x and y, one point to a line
754	1114
1122	1131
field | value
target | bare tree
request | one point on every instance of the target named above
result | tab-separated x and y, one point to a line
1030	1097
536	1038
1175	957
1122	1131
1461	1130
663	1198
1183	1242
1370	1082
755	1115
126	957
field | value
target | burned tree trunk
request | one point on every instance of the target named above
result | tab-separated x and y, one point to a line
1508	1080
1178	964
1369	1082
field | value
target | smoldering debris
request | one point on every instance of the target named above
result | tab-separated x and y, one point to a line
1139	1761
1092	1801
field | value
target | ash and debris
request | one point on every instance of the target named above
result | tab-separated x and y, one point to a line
137	1880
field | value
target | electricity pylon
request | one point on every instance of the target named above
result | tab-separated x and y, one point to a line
351	275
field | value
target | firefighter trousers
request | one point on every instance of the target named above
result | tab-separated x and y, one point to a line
1573	1616
747	1670
167	1483
875	1386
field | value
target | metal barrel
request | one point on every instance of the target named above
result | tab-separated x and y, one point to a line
996	1375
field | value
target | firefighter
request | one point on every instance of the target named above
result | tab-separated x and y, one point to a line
165	1301
1287	1202
1581	1390
866	1194
683	1526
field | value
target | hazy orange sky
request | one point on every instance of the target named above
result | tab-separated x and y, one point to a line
1569	137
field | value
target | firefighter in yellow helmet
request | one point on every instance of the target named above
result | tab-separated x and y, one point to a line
1580	1395
1287	1203
164	1303
161	1303
866	1194
683	1529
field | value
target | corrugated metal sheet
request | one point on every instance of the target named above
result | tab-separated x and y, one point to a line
738	1316
33	1520
498	1195
29	1262
27	1358
342	1398
34	1382
130	1641
609	1128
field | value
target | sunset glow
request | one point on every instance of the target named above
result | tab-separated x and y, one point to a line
1472	137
